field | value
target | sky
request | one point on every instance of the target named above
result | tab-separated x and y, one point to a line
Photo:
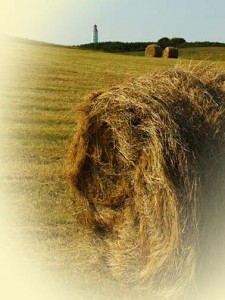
70	22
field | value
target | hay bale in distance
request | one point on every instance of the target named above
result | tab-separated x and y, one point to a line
170	52
140	164
153	51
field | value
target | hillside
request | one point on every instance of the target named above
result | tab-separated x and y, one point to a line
40	88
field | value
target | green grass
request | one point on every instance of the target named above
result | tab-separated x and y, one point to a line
201	53
40	89
204	53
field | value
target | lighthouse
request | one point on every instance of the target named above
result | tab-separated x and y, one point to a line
95	35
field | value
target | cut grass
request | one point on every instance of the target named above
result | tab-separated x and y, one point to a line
39	93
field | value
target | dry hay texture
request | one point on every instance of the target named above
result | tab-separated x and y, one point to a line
140	160
170	52
153	51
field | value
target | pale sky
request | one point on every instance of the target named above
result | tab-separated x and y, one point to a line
70	22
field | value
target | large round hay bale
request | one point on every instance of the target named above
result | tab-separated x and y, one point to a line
143	159
153	51
170	52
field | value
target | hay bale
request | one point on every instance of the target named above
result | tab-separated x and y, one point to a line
140	162
153	51
170	52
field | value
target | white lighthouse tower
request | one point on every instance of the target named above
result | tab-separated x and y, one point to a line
95	35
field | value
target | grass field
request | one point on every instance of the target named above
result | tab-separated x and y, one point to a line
39	97
202	53
39	94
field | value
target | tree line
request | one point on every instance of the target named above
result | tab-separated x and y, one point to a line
140	46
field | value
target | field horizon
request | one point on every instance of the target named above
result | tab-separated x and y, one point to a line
210	53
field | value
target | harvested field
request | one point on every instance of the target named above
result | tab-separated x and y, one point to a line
147	173
40	87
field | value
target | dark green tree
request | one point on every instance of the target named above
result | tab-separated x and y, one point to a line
164	42
176	41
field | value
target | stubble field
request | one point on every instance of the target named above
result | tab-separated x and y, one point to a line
40	89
